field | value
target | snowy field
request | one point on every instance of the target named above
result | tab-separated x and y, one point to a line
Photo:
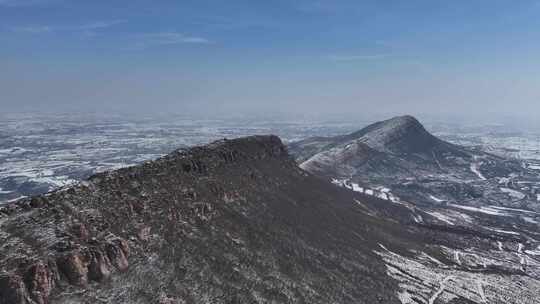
39	153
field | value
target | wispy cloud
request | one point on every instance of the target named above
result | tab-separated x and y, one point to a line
358	57
385	43
329	6
148	40
97	25
32	29
23	3
87	28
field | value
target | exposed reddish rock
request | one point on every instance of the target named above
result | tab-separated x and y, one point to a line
40	282
100	266
118	251
124	245
74	268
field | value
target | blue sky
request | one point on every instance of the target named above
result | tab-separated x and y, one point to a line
316	56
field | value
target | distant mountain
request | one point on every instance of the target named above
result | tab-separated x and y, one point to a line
454	193
400	145
401	153
399	135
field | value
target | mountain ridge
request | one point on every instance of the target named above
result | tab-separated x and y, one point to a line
232	221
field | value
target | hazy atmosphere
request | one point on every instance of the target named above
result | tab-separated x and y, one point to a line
269	151
228	57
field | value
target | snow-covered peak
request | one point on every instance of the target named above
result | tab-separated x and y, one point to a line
399	134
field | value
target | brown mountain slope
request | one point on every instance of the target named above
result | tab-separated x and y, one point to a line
232	222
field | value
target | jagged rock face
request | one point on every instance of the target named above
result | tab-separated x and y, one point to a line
232	222
40	281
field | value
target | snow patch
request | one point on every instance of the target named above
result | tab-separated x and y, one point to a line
502	231
533	252
421	281
380	192
357	188
513	193
456	257
441	217
486	210
418	218
440	290
534	167
2	191
514	209
481	291
438	200
430	258
475	168
529	220
14	200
